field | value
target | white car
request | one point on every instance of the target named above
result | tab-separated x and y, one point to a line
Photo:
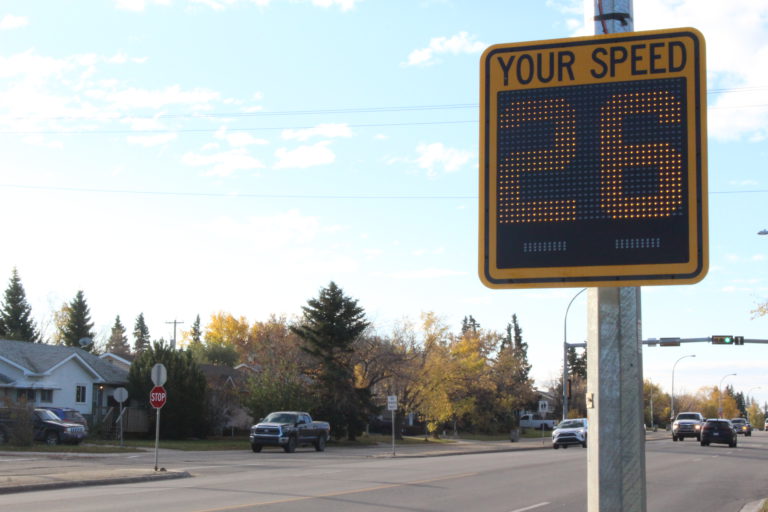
568	432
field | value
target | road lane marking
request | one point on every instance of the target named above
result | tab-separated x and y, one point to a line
338	493
542	504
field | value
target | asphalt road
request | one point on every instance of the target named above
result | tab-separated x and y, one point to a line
681	477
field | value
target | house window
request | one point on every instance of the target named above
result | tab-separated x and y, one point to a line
25	394
80	394
46	396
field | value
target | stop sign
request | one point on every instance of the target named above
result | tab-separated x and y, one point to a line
157	397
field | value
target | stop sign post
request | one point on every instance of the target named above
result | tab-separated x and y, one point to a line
157	397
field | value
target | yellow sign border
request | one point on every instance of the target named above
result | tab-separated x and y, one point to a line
604	275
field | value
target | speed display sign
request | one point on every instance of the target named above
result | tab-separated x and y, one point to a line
593	161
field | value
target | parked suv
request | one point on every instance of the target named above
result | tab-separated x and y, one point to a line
568	432
741	426
69	415
51	429
687	424
718	431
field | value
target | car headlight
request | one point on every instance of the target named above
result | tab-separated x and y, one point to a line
697	427
674	425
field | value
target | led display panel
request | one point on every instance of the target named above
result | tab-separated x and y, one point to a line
593	161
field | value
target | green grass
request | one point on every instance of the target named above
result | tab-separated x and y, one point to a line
69	448
241	443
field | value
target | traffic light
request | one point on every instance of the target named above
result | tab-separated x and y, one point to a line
722	340
738	340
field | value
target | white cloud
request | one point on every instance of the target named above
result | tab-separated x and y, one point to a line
10	22
428	273
40	140
459	43
133	98
435	156
327	130
238	139
151	140
138	5
281	230
224	163
344	5
305	156
218	5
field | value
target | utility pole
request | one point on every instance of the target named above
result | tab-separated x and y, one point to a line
173	342
616	447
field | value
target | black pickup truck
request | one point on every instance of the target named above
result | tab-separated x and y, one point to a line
289	429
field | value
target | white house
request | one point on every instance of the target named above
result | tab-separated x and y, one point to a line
55	375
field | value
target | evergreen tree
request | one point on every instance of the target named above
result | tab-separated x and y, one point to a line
78	324
140	335
577	364
196	333
330	326
118	341
520	349
184	414
15	313
469	324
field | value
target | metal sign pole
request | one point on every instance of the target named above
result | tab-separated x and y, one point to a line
616	446
393	433
157	435
121	425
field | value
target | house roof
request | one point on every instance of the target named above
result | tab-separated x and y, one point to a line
40	359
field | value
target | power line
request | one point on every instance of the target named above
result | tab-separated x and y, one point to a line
319	111
280	196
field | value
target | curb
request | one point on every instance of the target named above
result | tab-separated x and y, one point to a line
755	506
87	483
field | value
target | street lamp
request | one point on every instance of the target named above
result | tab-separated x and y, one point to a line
565	355
720	395
749	392
672	394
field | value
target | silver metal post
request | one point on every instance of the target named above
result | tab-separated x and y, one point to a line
157	435
393	433
616	446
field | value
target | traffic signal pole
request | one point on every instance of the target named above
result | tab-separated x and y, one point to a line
616	444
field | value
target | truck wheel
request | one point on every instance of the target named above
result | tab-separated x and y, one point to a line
320	443
291	446
256	448
674	438
555	446
51	438
584	444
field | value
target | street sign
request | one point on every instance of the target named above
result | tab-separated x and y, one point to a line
120	395
593	161
392	402
543	406
157	397
159	374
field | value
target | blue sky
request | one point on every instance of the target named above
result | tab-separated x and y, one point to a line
181	157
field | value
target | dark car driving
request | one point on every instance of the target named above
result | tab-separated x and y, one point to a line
742	426
718	431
